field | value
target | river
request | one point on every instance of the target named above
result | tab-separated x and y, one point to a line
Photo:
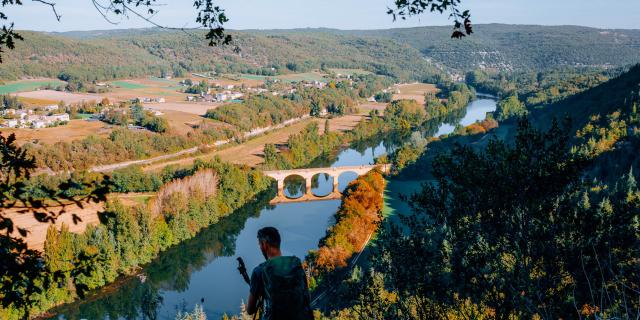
203	271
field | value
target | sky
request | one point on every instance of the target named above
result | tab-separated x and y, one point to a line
339	14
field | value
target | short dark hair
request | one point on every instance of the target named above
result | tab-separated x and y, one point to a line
270	235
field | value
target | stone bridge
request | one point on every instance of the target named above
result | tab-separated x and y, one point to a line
309	173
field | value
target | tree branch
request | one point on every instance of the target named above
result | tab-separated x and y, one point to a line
53	7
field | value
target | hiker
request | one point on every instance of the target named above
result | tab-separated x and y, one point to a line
280	282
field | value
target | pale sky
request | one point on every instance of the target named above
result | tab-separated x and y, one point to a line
340	14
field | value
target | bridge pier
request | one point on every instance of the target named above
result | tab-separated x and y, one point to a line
335	185
280	187
307	183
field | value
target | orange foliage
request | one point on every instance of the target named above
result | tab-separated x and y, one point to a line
357	218
480	127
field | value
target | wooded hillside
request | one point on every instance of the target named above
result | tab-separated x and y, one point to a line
408	54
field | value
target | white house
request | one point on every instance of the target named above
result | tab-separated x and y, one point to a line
52	107
57	117
221	96
38	124
11	123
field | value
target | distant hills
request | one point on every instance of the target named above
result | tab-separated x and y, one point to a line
520	47
408	54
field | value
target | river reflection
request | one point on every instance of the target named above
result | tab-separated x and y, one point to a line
475	111
203	271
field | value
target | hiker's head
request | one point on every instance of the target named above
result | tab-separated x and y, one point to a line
269	241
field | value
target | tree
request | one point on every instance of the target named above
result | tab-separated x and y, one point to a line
21	268
383	97
510	107
405	114
509	229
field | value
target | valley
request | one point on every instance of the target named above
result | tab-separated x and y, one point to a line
503	160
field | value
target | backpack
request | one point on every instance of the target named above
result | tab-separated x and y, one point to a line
285	289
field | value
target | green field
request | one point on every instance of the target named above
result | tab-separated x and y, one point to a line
163	80
307	76
84	116
253	77
128	85
350	71
19	86
293	77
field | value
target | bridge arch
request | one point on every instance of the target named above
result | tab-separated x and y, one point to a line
294	186
345	178
322	184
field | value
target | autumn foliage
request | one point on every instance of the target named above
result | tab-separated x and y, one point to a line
203	184
357	218
479	127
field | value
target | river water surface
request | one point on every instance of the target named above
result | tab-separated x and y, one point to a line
203	271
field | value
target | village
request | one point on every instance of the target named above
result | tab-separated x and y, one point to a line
45	107
20	118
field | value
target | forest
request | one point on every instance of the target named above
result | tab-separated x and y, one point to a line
553	232
397	53
164	52
508	47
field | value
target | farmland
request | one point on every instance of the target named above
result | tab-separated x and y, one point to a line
196	108
28	85
53	95
288	78
74	130
415	91
349	71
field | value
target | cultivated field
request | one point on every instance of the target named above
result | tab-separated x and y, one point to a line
349	71
33	102
146	88
38	230
74	130
292	77
183	122
28	85
53	95
367	107
414	91
197	108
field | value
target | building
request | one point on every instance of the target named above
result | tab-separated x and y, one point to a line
53	107
57	117
221	97
11	123
36	121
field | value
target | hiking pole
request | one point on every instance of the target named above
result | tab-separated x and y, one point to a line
243	272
